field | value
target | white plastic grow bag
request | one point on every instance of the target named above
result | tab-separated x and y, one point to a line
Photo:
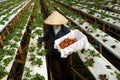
81	43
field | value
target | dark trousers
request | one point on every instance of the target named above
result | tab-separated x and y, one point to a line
60	69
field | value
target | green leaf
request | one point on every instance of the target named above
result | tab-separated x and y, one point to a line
32	57
37	77
39	45
5	18
91	53
7	61
37	61
2	22
27	73
38	31
42	52
89	62
31	49
118	76
2	71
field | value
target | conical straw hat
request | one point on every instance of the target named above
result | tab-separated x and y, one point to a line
55	19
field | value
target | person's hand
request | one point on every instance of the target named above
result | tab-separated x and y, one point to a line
34	43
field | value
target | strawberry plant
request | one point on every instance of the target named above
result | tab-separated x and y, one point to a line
17	38
37	77
42	52
90	30
1	57
27	73
31	49
91	53
103	77
89	62
2	71
9	51
1	54
39	45
37	61
118	76
38	32
14	45
2	22
32	57
5	18
7	61
32	35
95	26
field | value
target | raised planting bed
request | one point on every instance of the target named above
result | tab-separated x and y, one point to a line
106	20
6	4
13	43
4	11
36	59
35	66
8	23
11	17
100	11
99	66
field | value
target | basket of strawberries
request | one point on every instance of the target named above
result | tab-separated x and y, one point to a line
71	42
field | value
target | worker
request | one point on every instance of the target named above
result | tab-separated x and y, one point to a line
59	66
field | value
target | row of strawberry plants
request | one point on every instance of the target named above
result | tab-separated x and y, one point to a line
106	20
113	7
7	4
6	17
35	59
36	53
105	5
4	11
13	18
101	3
94	9
12	43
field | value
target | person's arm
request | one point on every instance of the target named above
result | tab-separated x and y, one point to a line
44	38
66	29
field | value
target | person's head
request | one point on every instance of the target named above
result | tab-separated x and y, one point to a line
55	19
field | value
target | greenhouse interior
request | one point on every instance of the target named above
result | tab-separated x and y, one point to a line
89	51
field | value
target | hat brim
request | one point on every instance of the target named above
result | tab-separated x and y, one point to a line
55	19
